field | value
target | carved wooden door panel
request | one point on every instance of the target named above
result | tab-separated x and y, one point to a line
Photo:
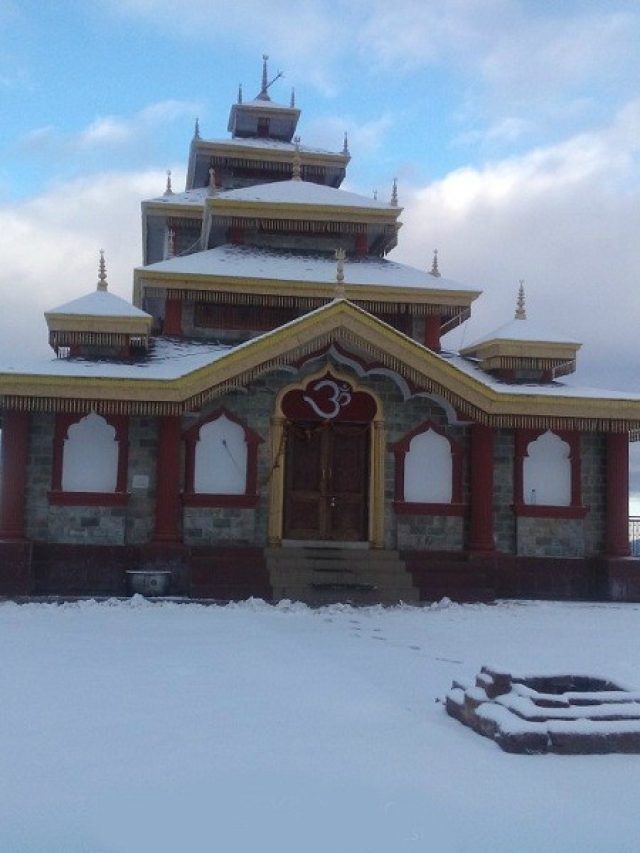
326	484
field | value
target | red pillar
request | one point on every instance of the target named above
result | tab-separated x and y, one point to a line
173	316
481	527
432	332
15	447
168	481
618	494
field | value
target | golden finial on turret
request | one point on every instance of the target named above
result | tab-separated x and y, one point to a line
521	311
345	144
297	162
239	93
168	188
394	193
102	272
213	189
171	243
196	129
434	266
293	98
340	292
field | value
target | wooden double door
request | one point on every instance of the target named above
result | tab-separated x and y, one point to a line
327	481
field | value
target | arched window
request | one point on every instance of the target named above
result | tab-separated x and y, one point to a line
221	462
546	471
90	460
428	472
547	474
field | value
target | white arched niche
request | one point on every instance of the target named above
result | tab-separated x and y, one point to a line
428	469
90	456
546	471
220	466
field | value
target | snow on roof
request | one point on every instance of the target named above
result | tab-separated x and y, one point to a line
275	144
195	197
99	303
248	262
269	104
524	330
548	389
304	192
167	358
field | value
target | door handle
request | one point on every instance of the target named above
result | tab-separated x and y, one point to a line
332	502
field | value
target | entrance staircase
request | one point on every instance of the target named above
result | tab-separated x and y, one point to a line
320	575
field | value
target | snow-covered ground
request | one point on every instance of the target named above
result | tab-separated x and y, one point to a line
129	727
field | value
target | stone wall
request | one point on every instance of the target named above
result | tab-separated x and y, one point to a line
504	522
133	524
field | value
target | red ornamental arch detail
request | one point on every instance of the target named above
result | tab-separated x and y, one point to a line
329	398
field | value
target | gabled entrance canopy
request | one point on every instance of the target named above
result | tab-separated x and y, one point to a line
129	388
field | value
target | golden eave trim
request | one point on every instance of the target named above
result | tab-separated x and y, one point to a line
92	323
276	154
301	210
342	321
321	289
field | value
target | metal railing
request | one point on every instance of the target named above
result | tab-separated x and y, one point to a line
634	535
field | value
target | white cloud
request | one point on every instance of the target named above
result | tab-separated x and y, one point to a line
50	244
565	218
109	131
364	137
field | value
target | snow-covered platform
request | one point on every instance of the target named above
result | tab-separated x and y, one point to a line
566	714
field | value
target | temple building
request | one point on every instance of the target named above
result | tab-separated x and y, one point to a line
274	414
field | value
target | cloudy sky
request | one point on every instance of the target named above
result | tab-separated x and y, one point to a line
513	127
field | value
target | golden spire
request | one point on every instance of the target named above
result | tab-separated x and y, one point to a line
171	243
213	189
102	272
264	94
239	93
345	146
196	129
394	193
297	164
434	266
168	189
340	292
293	98
521	312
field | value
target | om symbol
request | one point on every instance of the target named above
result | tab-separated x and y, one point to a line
339	397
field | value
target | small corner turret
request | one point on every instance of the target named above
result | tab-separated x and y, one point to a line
524	350
98	324
263	118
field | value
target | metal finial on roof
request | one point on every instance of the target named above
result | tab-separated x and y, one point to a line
264	94
340	292
239	93
213	189
297	163
102	272
434	266
171	243
293	98
196	129
521	311
394	193
345	145
168	189
375	195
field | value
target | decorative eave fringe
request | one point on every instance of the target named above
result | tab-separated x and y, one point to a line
523	363
298	225
268	165
418	379
183	223
113	339
309	302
